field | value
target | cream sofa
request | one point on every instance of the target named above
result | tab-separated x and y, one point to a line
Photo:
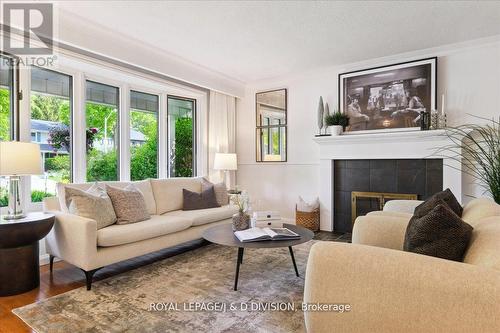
390	290
77	241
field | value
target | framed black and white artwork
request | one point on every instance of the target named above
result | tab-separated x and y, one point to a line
388	98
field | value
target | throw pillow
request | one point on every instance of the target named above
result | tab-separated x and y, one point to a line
220	190
446	196
303	206
440	233
94	204
128	203
194	200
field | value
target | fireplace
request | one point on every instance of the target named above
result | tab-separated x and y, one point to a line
392	162
376	181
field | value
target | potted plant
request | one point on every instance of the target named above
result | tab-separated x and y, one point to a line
338	121
241	220
477	148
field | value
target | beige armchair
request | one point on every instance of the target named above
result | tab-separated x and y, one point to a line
390	290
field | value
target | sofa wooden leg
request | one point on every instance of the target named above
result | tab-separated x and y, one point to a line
51	262
88	277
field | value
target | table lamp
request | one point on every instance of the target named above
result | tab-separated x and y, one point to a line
226	163
18	159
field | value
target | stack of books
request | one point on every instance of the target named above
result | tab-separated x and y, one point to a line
266	219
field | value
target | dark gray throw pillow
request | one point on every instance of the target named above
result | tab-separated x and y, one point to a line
194	200
445	196
440	233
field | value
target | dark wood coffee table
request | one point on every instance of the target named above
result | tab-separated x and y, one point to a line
223	235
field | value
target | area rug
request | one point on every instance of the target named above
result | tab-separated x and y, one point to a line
190	292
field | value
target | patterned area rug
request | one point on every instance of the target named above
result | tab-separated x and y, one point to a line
190	292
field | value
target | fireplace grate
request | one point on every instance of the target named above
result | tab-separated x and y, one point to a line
382	198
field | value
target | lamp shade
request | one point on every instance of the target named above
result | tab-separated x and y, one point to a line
225	162
20	158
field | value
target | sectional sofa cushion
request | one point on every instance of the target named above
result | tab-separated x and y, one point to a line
94	204
205	216
220	190
446	196
440	233
129	233
168	192
128	203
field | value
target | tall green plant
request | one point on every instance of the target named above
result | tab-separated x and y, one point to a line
477	147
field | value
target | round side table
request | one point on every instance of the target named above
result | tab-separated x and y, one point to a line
19	253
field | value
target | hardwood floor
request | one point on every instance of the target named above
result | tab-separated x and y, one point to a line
67	277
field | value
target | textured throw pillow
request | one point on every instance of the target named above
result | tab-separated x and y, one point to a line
446	196
194	200
129	204
440	233
220	190
94	204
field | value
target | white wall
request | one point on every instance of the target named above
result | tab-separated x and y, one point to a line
468	74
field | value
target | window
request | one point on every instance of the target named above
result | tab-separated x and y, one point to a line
271	109
181	136
6	115
143	135
6	99
50	102
101	116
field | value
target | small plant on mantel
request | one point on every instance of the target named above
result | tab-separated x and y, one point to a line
337	119
477	147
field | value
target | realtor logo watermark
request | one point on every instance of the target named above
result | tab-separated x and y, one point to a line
29	32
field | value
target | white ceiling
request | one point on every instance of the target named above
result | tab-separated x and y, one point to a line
252	41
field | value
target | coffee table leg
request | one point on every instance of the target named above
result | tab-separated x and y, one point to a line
293	260
238	262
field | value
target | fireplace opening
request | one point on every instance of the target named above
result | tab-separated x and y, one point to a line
417	177
380	199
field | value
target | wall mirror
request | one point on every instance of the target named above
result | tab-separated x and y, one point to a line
271	112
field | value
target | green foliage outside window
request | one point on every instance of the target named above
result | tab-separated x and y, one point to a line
101	165
4	115
183	147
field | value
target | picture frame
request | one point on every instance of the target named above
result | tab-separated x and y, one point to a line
388	98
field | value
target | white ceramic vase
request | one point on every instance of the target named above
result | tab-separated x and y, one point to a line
336	129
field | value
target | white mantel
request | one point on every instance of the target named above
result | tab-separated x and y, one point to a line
386	145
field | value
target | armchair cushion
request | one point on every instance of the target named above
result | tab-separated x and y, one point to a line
440	233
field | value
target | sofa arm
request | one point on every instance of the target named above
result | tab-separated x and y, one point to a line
402	206
73	239
383	229
395	291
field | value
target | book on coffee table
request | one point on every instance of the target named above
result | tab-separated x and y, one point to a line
262	234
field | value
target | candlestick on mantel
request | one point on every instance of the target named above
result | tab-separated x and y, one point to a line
442	115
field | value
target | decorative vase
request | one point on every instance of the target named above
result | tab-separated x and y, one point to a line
241	221
321	111
326	113
336	130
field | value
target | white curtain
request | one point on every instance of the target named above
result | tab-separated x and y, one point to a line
221	132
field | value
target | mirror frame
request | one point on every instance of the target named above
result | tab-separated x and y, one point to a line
259	127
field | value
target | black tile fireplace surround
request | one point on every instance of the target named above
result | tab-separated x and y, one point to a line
423	177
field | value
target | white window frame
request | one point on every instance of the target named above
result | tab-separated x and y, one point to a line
82	68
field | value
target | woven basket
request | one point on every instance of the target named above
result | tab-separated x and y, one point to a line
309	220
